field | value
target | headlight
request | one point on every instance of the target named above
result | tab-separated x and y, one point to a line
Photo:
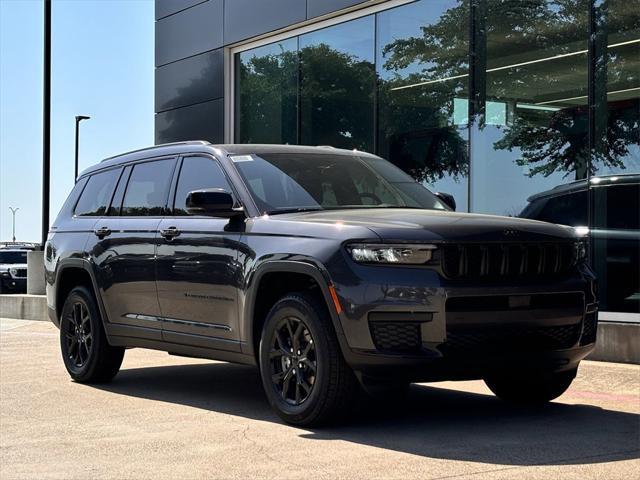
400	254
580	251
4	273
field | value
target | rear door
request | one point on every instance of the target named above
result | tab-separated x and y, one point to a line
124	244
197	264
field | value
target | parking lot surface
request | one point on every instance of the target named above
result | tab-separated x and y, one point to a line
170	417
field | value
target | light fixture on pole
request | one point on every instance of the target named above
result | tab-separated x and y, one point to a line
79	118
13	211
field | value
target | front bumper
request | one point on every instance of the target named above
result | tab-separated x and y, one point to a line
464	330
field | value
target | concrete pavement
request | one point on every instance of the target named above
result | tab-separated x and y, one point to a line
169	417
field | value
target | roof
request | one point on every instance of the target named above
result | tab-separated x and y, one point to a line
201	146
580	185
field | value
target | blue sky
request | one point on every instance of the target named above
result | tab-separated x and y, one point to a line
102	66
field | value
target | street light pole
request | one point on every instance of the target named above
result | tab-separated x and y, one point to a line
13	211
79	118
46	122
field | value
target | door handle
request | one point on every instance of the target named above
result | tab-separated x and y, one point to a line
102	232
170	233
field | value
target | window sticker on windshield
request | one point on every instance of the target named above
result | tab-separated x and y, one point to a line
241	158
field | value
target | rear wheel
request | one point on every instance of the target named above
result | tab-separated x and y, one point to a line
531	389
85	351
305	377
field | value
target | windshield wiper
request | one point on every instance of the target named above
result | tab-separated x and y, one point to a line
293	210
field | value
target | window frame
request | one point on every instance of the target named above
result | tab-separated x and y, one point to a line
84	187
175	159
171	204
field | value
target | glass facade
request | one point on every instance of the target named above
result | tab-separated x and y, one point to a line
522	108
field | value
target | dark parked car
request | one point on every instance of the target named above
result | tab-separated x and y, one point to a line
615	230
13	270
329	269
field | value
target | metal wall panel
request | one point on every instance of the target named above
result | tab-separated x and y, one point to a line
190	32
204	121
248	18
316	8
192	80
165	8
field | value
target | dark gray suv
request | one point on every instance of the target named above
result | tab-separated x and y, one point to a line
331	270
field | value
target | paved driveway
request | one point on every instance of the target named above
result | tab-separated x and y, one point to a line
168	417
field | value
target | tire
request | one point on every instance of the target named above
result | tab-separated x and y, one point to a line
531	389
86	354
299	348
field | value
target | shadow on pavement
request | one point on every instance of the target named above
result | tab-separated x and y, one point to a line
432	422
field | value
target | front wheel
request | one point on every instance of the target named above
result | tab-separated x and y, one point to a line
531	389
305	377
86	353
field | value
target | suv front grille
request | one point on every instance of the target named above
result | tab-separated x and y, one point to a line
507	260
396	336
590	329
510	338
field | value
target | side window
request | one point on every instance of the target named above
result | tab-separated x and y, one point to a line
197	173
147	189
116	202
616	207
570	209
97	193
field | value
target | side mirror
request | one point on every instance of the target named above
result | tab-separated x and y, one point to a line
214	202
447	199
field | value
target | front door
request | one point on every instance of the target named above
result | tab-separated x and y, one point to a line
198	274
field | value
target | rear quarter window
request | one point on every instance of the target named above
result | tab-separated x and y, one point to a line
96	195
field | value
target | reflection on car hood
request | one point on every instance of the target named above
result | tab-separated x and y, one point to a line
434	225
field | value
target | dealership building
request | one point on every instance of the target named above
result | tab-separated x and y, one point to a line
494	101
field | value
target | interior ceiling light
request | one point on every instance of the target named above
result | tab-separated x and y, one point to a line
506	67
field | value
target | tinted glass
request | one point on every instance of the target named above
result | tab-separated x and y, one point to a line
13	257
97	194
337	85
267	104
615	238
116	203
147	188
617	207
569	209
617	88
531	131
422	64
197	173
320	181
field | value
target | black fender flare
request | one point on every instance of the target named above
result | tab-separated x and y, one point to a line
315	271
84	264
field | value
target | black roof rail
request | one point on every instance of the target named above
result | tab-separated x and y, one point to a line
189	142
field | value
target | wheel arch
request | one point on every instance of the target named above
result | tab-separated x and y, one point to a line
254	315
76	272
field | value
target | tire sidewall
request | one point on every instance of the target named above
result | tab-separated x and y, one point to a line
81	294
295	307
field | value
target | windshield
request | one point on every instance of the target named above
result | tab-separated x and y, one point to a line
282	182
13	257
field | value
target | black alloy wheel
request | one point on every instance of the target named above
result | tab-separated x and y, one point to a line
293	361
304	374
86	353
78	334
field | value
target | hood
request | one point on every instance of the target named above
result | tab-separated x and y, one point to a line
401	224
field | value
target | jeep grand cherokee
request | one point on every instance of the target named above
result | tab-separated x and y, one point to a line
330	270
